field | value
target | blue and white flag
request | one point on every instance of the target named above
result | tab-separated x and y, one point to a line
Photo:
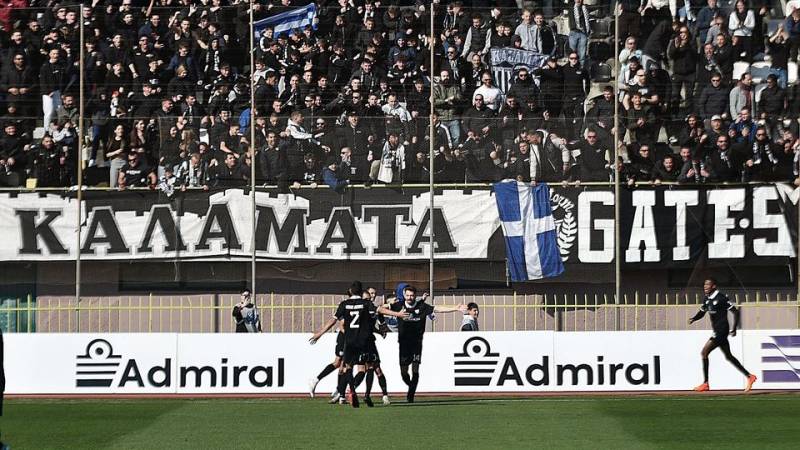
529	229
287	21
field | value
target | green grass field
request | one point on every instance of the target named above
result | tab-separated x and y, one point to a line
758	421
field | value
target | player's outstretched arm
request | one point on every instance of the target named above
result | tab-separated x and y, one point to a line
450	309
328	325
697	316
388	312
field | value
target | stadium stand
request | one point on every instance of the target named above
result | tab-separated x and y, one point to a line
170	81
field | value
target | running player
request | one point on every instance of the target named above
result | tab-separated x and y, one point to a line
336	365
411	331
373	361
717	305
357	314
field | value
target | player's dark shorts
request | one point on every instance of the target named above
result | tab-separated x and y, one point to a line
719	337
354	356
371	353
339	344
410	351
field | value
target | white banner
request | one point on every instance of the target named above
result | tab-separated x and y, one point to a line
172	363
319	225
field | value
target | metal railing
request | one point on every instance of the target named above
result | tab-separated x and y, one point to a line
305	313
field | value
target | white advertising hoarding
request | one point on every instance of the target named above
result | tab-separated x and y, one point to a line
171	363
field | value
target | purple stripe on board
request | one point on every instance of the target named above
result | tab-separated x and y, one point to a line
780	376
787	341
785	359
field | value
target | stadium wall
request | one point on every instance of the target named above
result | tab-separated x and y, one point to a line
522	362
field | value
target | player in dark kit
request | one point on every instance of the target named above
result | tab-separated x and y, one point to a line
373	359
334	366
410	332
717	305
357	315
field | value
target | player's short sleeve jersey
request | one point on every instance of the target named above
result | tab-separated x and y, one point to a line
717	306
412	327
358	316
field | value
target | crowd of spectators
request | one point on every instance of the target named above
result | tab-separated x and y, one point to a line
705	92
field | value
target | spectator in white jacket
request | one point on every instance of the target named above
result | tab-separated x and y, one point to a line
741	23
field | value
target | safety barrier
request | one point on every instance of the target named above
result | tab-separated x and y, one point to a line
282	313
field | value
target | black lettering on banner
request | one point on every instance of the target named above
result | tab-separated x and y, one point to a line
198	375
543	368
614	368
342	230
237	372
561	368
219	225
387	226
509	372
103	218
293	229
442	238
643	377
32	231
267	371
131	373
161	215
165	373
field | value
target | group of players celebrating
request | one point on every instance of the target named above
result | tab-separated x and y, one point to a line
359	320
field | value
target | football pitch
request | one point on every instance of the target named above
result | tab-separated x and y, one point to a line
756	421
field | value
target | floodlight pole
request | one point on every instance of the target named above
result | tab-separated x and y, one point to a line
615	128
252	157
431	137
79	195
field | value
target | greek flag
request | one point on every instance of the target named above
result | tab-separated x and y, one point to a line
287	21
529	229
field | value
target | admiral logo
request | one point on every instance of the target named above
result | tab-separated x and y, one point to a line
100	367
477	365
782	356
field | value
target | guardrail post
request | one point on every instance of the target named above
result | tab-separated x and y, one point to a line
29	313
216	312
150	313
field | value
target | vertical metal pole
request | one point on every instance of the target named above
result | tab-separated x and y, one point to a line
252	157
79	195
617	246
431	44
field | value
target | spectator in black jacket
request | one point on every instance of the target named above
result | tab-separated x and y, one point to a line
713	99
52	80
594	158
478	119
723	55
683	57
551	87
723	163
576	87
17	83
272	163
764	159
706	68
523	87
666	170
13	157
773	102
309	173
642	163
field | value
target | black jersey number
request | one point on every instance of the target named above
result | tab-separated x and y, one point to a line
354	317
